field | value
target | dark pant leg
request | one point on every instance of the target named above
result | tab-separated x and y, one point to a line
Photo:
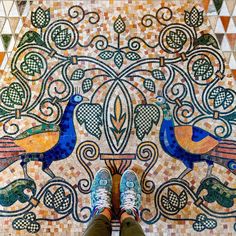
99	225
131	227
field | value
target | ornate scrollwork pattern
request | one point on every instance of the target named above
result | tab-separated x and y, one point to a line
147	152
87	151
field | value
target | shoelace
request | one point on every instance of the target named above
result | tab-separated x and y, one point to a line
129	199
103	198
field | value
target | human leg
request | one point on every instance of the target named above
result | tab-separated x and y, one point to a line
101	204
130	198
100	225
131	227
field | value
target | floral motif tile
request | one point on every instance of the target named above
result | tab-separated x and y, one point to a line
122	84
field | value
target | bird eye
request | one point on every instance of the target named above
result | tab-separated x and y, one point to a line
77	98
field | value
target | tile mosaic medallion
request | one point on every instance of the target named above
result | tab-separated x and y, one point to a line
122	84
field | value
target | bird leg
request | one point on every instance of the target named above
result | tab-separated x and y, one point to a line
24	167
209	173
184	173
49	172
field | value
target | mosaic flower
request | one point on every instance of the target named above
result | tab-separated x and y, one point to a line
222	97
57	201
119	25
174	202
32	64
203	69
28	222
40	18
202	223
176	39
194	18
13	95
61	37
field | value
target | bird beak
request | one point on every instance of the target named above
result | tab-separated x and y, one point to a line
86	99
152	100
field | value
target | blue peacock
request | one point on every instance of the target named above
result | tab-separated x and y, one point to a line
191	144
61	150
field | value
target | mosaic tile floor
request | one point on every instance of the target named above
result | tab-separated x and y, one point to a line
123	84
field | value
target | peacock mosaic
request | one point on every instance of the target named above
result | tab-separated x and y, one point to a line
122	84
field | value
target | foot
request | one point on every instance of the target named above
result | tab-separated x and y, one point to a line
209	173
184	173
210	176
130	194
49	172
28	178
56	178
181	180
101	191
